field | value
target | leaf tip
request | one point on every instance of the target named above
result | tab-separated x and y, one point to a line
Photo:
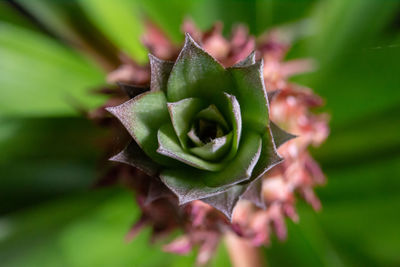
112	110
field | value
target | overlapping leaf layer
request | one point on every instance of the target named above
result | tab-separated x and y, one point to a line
204	129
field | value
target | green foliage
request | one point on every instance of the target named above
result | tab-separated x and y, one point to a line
33	71
209	152
99	220
356	46
120	21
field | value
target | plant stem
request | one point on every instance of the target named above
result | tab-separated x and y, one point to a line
243	254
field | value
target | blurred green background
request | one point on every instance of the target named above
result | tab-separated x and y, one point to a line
49	216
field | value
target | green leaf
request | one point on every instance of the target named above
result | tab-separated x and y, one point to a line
269	156
241	167
142	116
280	136
195	74
212	113
160	71
231	109
226	201
187	184
56	233
133	155
364	33
194	184
45	158
52	15
182	114
67	21
193	137
251	94
120	21
170	147
346	147
10	15
40	77
215	149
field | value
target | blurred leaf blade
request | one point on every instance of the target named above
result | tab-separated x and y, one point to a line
44	159
121	22
95	223
40	77
10	15
356	79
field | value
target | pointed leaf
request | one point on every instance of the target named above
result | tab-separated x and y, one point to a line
231	109
249	60
226	201
169	146
212	113
269	156
280	136
253	193
215	149
132	90
251	94
241	167
182	114
187	184
156	191
195	74
160	71
194	138
133	155
142	116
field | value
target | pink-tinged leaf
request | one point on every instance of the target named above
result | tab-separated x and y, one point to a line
135	229
249	60
181	245
253	193
160	71
133	155
156	191
226	201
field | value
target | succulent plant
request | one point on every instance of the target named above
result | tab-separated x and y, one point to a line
203	129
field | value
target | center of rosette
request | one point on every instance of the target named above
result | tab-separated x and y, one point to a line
208	130
209	135
201	134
